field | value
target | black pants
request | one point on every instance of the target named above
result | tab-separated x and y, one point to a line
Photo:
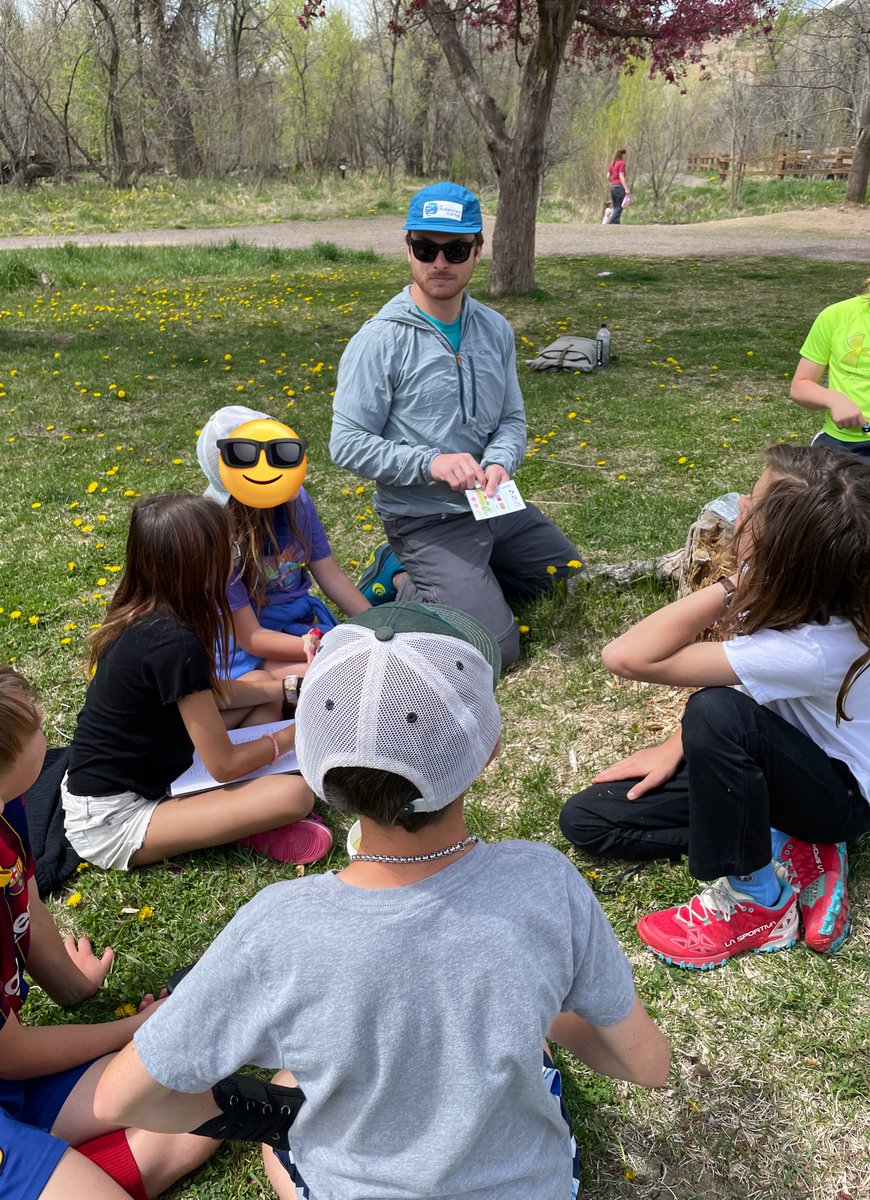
832	443
617	195
745	770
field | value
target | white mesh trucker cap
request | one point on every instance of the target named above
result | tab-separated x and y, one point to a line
221	424
406	688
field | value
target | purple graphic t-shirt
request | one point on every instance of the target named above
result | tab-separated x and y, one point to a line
286	576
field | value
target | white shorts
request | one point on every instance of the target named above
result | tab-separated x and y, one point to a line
106	830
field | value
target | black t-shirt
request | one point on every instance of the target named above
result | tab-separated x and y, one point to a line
130	735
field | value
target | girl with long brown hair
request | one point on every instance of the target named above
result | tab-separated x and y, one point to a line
769	774
156	696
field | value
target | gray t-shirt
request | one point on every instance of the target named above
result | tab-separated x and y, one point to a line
413	1019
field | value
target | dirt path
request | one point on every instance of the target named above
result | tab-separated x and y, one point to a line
838	234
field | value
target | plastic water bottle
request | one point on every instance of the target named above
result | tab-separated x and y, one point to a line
602	346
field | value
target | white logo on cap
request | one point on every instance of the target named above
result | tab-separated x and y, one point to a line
446	209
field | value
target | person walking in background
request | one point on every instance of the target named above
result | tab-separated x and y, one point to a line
619	192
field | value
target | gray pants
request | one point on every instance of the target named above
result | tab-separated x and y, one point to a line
477	566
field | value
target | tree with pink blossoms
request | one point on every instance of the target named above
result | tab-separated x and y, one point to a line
547	34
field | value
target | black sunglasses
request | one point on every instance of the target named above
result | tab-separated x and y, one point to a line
245	452
426	252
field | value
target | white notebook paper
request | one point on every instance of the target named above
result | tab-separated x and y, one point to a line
197	779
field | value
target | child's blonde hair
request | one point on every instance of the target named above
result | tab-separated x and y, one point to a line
19	715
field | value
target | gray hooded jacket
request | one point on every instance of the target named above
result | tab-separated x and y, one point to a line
403	396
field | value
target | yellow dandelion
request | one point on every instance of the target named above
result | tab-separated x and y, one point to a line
120	393
575	564
682	459
145	912
92	487
33	620
551	570
73	900
36	504
15	614
126	1010
524	629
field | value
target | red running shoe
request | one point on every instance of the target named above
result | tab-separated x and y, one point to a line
301	842
818	874
718	923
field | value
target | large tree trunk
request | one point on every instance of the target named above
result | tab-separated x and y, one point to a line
173	40
859	172
518	159
513	241
111	63
415	142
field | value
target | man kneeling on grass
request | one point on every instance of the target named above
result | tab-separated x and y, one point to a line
411	993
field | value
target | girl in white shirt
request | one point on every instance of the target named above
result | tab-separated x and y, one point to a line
769	774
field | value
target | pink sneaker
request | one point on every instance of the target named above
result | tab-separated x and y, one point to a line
719	923
300	842
818	874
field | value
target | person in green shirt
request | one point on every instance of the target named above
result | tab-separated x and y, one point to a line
839	343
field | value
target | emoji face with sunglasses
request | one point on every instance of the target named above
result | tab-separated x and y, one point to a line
263	463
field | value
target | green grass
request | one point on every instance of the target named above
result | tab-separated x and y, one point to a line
768	1096
712	200
51	209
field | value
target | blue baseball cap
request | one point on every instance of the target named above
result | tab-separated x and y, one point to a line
445	208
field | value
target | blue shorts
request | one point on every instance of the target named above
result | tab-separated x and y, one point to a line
282	618
554	1082
29	1154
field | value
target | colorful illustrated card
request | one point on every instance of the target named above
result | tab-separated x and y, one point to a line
507	499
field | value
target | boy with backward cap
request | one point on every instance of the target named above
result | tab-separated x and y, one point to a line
410	993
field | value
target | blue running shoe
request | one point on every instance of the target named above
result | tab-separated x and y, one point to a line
376	581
